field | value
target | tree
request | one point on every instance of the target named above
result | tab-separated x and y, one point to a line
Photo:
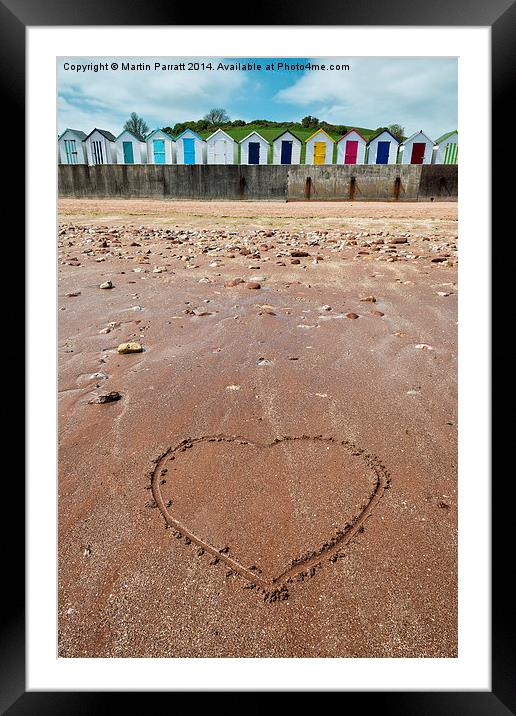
397	131
217	115
137	125
310	122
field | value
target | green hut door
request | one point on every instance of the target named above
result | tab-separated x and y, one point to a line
128	153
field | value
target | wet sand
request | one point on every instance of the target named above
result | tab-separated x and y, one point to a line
277	479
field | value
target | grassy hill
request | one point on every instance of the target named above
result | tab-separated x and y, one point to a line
270	133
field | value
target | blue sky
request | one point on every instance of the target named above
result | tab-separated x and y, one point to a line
418	93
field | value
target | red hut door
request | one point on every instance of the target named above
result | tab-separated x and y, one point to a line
351	152
418	153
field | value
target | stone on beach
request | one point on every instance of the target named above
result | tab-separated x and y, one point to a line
105	398
131	347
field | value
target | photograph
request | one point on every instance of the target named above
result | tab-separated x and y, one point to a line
257	356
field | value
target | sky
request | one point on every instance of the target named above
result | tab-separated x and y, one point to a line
418	93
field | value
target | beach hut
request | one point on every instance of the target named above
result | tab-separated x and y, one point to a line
417	149
254	149
161	148
382	149
221	148
351	148
319	148
100	147
447	148
190	148
71	147
286	149
130	148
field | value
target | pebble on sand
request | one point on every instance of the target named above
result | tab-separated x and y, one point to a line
105	398
233	282
368	299
377	313
351	315
253	284
129	348
106	284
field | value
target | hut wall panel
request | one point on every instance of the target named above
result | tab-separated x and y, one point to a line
440	153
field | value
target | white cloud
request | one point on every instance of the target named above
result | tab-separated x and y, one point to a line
419	93
106	98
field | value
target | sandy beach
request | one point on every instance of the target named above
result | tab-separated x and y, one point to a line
278	474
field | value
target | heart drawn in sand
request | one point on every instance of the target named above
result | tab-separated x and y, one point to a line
272	513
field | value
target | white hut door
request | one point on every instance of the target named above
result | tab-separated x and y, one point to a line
220	151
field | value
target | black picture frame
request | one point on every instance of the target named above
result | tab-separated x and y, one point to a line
500	15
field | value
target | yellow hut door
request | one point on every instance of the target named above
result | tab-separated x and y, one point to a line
319	152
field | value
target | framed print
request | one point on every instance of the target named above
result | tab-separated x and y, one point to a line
259	402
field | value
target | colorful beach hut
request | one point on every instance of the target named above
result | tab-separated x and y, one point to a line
351	148
100	147
382	149
319	148
286	149
417	149
71	147
221	148
131	148
190	148
161	148
447	148
254	149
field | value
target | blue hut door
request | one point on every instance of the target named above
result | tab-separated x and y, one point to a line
254	152
128	153
189	150
71	152
382	153
159	151
286	152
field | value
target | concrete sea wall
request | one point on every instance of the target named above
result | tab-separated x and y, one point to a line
390	182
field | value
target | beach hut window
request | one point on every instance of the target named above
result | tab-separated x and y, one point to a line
71	151
254	152
98	156
189	150
382	153
319	152
128	153
418	153
159	151
351	152
450	155
286	152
